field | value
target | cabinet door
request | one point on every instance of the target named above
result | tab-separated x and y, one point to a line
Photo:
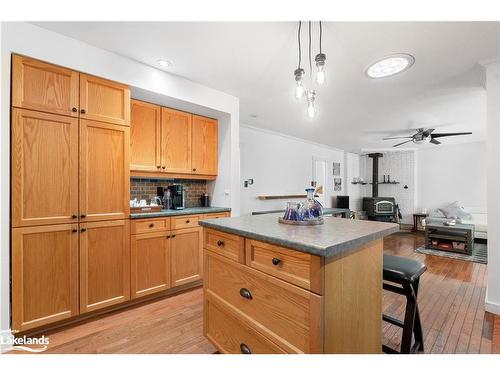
44	87
44	168
150	263
186	248
145	137
175	141
104	100
104	171
205	134
104	264
44	275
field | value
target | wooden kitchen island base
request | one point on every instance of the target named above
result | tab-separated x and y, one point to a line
264	298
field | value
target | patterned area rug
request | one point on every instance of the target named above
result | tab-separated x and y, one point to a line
479	253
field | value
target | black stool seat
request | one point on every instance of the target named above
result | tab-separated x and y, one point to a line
399	269
406	273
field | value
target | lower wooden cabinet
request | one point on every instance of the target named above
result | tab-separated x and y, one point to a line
104	264
44	275
150	263
186	247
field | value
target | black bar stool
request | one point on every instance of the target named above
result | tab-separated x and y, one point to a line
405	272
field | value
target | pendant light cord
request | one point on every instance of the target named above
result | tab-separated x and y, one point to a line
300	48
320	36
310	47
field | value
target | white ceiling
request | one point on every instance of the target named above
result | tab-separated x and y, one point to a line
255	62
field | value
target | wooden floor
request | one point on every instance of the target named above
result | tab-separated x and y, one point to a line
451	300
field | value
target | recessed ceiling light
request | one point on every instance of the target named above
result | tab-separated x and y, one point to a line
164	63
390	65
254	116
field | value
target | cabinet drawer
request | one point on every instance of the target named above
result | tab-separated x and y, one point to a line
181	222
228	245
227	330
298	268
288	314
150	225
216	215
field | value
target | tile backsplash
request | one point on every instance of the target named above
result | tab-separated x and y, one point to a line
145	188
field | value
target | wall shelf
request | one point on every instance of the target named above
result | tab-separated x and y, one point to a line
387	183
359	183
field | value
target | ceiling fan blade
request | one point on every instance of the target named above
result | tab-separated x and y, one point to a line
428	132
385	139
402	143
437	135
435	141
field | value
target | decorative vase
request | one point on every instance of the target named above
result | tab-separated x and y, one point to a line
291	212
310	209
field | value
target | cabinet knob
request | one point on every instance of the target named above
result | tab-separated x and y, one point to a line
74	216
163	167
194	169
74	230
82	111
188	221
83	230
168	236
151	225
245	293
74	109
276	261
158	166
173	235
220	243
245	349
83	216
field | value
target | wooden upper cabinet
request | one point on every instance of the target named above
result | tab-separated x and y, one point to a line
44	168
145	137
104	100
104	171
44	87
44	275
187	262
150	263
175	141
204	146
104	264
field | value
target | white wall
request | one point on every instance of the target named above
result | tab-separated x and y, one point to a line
280	165
27	39
452	173
492	302
353	170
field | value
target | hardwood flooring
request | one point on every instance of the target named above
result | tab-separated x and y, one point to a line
451	301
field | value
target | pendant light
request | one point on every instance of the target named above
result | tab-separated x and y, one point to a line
299	73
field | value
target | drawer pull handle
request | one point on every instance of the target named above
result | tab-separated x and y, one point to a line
74	216
83	230
151	225
83	216
220	243
245	349
245	293
82	111
188	221
74	230
276	261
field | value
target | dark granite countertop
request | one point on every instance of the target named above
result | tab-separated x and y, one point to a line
335	237
186	211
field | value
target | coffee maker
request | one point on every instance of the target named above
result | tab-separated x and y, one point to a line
177	194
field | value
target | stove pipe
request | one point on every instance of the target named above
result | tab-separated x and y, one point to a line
375	157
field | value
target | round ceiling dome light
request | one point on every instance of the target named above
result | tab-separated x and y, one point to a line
164	63
390	65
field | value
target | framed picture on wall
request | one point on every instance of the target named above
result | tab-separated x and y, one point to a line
336	169
337	184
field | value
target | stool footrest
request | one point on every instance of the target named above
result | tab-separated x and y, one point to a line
394	321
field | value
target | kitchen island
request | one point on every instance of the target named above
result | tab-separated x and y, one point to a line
277	288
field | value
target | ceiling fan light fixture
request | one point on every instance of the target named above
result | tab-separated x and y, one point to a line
390	65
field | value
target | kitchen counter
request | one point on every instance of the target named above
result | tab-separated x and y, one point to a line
335	237
186	211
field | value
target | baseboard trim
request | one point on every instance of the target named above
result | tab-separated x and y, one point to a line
491	307
6	340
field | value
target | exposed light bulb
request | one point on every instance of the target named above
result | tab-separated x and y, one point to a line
320	75
311	110
299	90
320	64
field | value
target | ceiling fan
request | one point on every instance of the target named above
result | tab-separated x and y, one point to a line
425	136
